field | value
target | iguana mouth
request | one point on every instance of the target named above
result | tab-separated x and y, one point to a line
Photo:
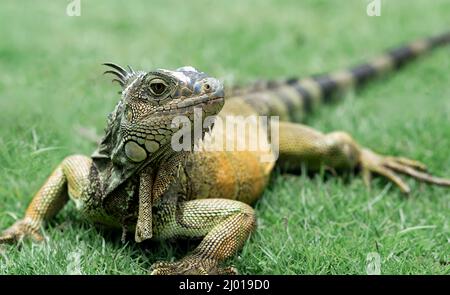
204	99
208	100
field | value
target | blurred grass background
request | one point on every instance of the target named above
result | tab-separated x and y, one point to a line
51	84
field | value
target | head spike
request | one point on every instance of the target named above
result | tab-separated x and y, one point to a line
116	67
118	81
117	74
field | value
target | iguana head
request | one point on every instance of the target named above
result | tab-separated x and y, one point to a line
151	100
140	128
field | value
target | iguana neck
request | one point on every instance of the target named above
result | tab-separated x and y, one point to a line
114	173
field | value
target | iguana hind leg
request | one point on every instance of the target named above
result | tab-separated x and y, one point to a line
224	225
70	176
302	145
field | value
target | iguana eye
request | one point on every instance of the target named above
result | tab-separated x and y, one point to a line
157	86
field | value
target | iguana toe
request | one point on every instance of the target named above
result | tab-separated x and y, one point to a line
20	230
191	266
390	167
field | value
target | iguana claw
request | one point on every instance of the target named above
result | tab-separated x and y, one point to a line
191	266
389	167
20	230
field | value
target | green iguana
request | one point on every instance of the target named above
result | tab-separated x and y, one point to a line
137	181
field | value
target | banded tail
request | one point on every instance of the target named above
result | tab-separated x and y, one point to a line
292	98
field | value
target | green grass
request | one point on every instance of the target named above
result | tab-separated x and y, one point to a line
51	83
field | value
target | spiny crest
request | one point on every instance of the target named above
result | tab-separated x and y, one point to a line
122	76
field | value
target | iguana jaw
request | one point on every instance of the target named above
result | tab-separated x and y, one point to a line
201	100
210	104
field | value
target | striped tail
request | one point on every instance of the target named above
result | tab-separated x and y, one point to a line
291	99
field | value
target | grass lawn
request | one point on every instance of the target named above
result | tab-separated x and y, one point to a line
51	84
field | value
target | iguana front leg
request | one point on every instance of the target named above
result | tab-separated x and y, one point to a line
301	144
224	224
71	175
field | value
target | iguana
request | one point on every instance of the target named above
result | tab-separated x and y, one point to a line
137	181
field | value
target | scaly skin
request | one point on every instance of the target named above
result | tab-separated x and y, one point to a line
137	182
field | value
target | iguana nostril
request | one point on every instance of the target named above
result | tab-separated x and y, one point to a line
207	86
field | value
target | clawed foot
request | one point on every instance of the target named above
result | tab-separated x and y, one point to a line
191	266
20	230
389	167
